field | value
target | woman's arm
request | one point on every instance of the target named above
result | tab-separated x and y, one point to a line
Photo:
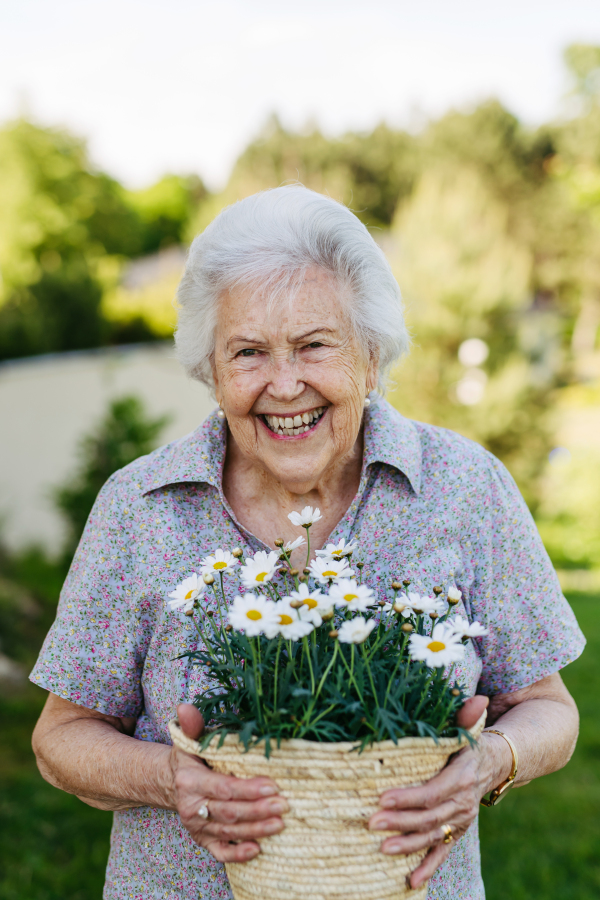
542	722
93	756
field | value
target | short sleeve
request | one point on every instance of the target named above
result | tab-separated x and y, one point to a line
515	593
91	655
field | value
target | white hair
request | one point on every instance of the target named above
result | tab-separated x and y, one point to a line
267	242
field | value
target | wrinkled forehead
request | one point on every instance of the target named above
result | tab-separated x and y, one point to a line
285	306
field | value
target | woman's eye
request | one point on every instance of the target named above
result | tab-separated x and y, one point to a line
315	344
247	352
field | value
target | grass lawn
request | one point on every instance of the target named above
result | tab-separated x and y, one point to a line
541	843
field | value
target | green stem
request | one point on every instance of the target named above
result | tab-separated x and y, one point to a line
364	653
327	670
351	674
308	546
310	668
275	683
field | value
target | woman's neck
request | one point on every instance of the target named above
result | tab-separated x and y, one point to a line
261	503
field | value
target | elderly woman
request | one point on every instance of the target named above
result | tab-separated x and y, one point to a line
290	313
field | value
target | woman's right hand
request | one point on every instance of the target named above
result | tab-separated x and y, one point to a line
242	810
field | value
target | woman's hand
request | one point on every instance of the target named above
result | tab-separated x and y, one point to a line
241	810
451	798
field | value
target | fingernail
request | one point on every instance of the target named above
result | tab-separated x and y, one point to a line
394	847
381	825
388	803
278	806
272	827
267	790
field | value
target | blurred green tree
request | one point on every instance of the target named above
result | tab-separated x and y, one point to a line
165	208
126	432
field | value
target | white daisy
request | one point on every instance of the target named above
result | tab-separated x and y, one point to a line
419	603
314	604
325	570
454	594
465	629
439	650
355	631
306	518
253	614
339	550
186	593
348	594
291	623
259	569
223	561
293	545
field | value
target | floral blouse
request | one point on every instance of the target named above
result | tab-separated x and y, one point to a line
432	506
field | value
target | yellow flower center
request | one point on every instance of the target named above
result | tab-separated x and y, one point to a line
350	597
261	576
310	602
254	614
436	646
328	573
220	565
189	594
285	620
337	553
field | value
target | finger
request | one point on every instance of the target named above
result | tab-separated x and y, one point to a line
190	719
226	852
244	831
227	787
235	811
459	774
419	820
433	860
471	711
410	843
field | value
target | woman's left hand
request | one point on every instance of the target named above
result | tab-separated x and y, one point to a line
451	798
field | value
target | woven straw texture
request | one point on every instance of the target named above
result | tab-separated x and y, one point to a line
326	851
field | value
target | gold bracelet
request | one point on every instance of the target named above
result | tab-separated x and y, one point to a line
498	793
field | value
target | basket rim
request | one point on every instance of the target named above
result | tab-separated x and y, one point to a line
298	744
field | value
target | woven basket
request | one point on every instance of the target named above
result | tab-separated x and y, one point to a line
326	851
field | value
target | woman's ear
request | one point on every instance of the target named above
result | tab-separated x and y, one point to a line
372	373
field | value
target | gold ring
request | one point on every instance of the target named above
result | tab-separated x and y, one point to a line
448	836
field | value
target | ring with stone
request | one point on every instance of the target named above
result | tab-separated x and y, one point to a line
204	812
448	836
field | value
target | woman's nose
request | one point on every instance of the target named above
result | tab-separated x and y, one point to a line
284	383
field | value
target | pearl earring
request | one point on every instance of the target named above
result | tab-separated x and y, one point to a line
221	414
367	401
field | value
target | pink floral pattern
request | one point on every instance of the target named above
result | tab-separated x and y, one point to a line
431	506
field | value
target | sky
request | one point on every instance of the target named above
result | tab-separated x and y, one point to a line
160	86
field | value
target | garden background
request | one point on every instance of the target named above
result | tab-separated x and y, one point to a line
493	229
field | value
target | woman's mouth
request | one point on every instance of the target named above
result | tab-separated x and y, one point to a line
299	423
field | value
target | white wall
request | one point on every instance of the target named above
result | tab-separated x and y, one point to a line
47	403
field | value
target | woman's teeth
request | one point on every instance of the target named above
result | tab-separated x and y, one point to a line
294	424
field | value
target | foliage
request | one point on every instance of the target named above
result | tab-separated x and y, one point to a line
125	433
164	210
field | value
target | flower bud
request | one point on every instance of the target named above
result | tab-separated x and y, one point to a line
437	590
296	604
407	628
453	600
294	572
278	542
301	577
398	607
209	613
228	628
455	692
381	603
396	586
360	565
209	579
283	570
406	582
237	552
328	615
189	612
306	571
334	633
434	616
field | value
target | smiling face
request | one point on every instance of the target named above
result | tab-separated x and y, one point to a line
292	381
